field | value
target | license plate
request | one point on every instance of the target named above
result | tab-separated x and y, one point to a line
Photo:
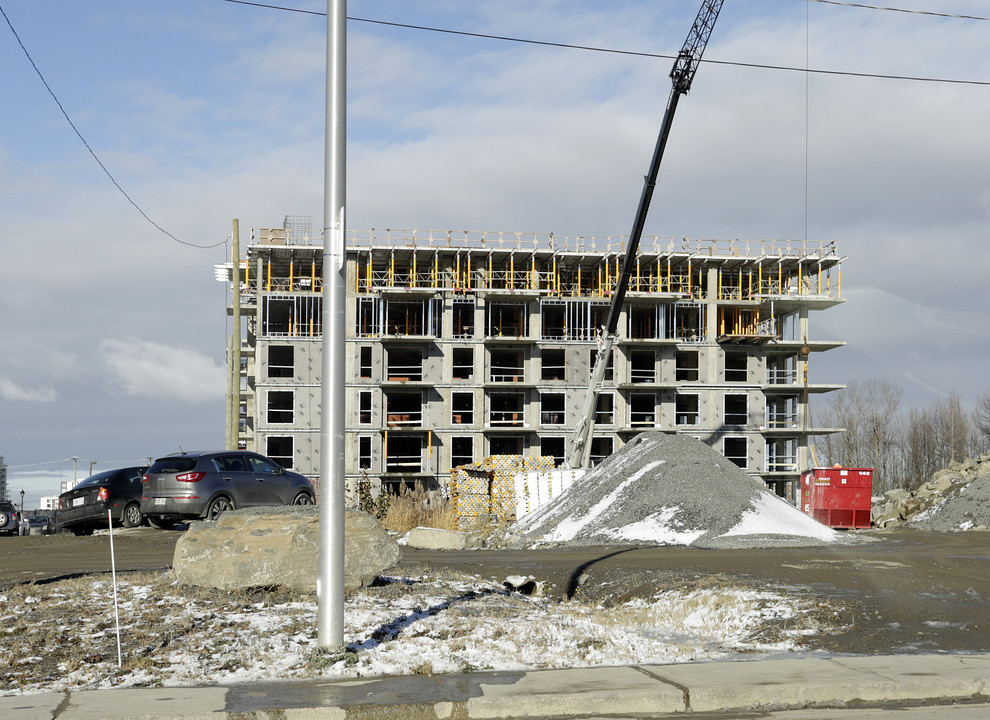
159	501
76	502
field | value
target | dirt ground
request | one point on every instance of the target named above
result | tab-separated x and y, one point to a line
906	591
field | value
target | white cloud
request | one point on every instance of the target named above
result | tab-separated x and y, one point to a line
10	390
148	369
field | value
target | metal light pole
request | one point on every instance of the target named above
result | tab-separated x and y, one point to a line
330	583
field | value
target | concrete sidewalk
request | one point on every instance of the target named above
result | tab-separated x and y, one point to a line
637	691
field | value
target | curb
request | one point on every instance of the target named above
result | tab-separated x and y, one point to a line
760	685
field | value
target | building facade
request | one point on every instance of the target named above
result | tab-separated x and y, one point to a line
462	345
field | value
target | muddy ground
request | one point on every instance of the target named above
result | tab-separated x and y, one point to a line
903	591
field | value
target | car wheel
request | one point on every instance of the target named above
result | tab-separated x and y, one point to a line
303	498
131	517
218	506
161	523
82	531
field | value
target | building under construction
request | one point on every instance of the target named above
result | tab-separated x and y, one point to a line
462	345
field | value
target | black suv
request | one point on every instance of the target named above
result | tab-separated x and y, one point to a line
10	520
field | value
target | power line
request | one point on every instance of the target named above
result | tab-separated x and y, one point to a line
90	149
901	10
614	51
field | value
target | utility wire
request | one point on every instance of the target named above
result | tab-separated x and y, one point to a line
614	51
91	152
901	10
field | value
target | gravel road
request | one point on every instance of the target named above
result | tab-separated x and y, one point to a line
907	591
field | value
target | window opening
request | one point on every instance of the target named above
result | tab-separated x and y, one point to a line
463	365
787	327
295	316
413	317
369	317
506	445
605	409
462	408
736	412
607	377
554	447
405	364
463	319
280	407
686	365
365	362
281	361
736	366
279	449
461	451
643	366
364	452
601	448
507	365
552	408
734	449
686	409
552	321
782	412
552	364
688	322
364	407
403	409
647	322
642	409
505	319
782	369
584	318
507	409
782	455
404	453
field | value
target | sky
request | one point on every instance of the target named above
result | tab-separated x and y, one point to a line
112	324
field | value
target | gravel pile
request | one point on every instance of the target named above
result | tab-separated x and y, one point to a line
964	505
664	489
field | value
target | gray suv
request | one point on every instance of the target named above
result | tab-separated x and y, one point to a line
203	485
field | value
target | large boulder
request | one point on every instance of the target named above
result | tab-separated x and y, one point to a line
278	546
428	538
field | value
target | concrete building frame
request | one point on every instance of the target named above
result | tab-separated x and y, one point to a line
462	345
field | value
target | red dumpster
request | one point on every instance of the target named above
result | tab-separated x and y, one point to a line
838	497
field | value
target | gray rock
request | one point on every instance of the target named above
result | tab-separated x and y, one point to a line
278	546
896	494
435	539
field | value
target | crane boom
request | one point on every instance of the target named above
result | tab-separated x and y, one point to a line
682	75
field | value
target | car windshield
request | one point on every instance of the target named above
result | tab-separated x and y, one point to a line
173	465
37	520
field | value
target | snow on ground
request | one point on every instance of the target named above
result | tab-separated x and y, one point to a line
62	636
669	490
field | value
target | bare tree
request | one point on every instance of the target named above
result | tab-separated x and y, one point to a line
868	411
952	430
920	450
981	423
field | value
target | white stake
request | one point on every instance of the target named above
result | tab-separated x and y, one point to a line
113	574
